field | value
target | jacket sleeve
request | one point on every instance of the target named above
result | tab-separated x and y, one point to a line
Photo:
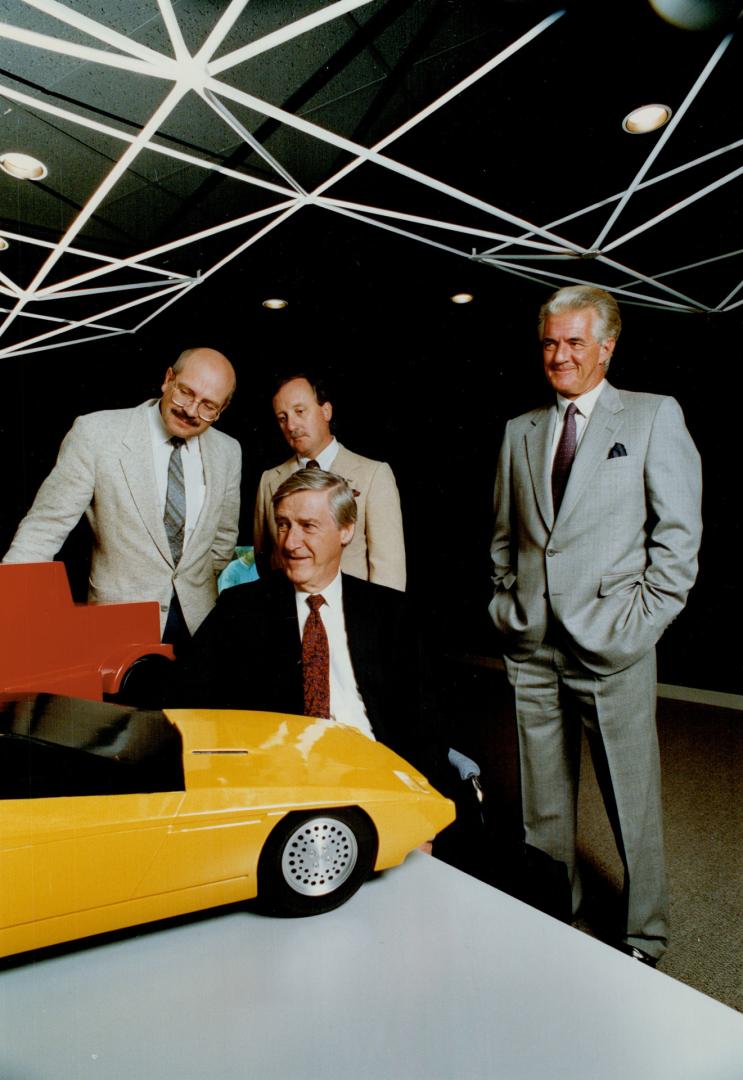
225	537
205	669
261	517
60	502
385	540
501	548
508	618
673	491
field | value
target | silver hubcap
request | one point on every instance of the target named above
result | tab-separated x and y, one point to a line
319	856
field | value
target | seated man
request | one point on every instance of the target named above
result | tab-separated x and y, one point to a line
311	640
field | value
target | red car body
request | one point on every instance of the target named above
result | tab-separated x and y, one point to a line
50	644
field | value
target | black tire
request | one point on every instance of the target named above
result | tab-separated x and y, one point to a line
143	684
314	861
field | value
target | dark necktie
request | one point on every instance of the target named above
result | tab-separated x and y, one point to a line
564	456
315	661
312	464
174	517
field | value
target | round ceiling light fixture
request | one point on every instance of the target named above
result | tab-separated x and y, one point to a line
462	298
697	14
275	304
22	166
647	118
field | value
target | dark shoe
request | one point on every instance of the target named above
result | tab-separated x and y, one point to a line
637	954
544	884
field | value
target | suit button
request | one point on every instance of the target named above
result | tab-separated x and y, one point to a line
551	552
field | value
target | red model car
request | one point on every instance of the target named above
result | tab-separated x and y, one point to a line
48	643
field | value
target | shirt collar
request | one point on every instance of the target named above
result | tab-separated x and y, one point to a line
332	593
584	404
324	459
160	434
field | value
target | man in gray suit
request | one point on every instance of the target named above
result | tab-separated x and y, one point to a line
598	525
117	467
377	551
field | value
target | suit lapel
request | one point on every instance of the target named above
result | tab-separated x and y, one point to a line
139	475
358	614
212	465
288	659
280	474
599	436
538	445
342	463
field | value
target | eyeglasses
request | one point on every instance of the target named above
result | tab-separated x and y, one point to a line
186	399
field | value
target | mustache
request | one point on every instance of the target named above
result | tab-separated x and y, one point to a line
184	416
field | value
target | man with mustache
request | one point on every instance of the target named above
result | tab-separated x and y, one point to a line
377	550
161	491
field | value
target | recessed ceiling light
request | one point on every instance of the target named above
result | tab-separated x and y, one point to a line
23	166
462	298
4	245
646	118
275	304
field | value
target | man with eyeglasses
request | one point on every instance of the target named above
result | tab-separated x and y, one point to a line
161	491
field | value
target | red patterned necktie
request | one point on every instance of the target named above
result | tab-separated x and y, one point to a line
564	456
315	661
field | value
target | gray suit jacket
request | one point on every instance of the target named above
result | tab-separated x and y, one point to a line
377	550
617	565
105	470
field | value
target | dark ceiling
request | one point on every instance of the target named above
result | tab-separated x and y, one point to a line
365	168
315	147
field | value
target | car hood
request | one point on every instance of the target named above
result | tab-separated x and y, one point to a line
260	750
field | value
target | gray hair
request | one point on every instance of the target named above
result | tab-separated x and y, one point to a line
340	495
579	297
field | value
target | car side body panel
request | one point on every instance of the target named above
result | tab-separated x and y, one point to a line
49	643
71	867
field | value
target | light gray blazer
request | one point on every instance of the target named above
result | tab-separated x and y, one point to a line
105	470
377	550
617	564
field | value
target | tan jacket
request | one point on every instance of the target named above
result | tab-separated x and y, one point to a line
105	470
377	550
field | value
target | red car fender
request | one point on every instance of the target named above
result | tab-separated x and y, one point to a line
114	668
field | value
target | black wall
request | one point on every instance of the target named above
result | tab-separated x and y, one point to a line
421	383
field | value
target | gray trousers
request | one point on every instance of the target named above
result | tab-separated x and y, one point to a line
555	697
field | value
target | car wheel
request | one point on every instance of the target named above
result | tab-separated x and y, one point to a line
142	685
313	862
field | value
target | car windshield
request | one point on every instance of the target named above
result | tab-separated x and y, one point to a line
53	746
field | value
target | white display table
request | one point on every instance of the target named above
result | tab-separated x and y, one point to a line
425	974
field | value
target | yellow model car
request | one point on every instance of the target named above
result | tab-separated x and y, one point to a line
112	816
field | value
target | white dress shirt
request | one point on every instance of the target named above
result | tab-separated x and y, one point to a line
193	470
324	459
585	405
346	703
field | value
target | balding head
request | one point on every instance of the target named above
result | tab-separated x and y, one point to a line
203	359
197	389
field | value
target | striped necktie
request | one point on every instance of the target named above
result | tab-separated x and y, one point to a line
174	517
